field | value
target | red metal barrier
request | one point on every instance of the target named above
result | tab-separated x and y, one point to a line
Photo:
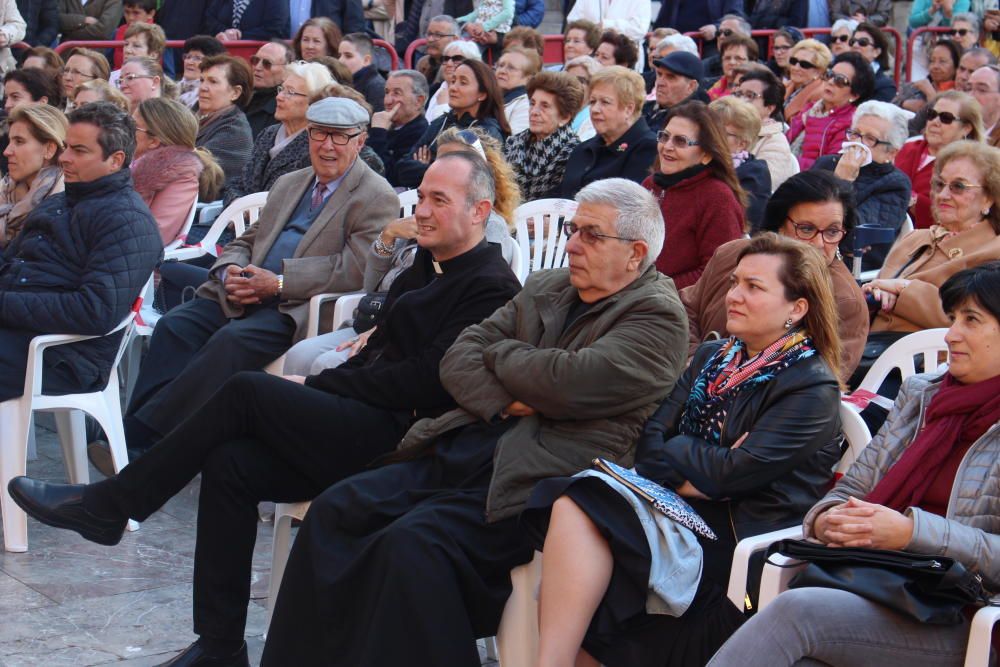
553	49
410	50
243	48
392	52
912	41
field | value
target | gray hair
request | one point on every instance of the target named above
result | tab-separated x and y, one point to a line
481	184
744	24
850	24
982	53
639	215
450	20
588	63
468	49
419	81
678	43
316	76
967	17
897	117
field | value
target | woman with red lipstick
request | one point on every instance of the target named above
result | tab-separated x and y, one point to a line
700	196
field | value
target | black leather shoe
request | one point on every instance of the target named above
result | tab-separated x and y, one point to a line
195	656
61	506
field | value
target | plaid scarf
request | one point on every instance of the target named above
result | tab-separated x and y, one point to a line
727	373
539	165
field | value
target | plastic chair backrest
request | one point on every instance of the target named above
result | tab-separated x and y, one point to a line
856	434
927	344
185	230
539	226
407	203
906	227
242	213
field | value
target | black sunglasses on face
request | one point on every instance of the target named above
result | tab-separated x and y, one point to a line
863	42
264	62
945	117
837	79
727	32
804	64
961	32
840	38
454	59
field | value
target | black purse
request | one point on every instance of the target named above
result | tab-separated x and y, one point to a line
369	311
930	589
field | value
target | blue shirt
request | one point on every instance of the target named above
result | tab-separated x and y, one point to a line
300	11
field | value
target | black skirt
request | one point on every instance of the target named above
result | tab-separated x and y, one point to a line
622	634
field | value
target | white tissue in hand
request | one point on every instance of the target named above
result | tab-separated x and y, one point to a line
868	152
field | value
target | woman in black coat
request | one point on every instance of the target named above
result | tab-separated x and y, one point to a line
741	124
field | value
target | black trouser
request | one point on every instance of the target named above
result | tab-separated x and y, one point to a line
57	378
195	348
260	437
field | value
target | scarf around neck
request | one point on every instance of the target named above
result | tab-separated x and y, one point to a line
667	181
48	181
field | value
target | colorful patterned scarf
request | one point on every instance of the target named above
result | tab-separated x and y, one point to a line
727	373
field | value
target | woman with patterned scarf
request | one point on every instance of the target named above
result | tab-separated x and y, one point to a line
748	436
539	153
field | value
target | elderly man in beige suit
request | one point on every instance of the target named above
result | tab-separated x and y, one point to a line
312	237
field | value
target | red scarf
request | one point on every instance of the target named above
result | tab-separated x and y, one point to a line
958	413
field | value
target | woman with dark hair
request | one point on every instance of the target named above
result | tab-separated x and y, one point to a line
226	87
616	49
24	86
735	52
764	92
195	50
814	207
318	36
941	70
822	127
925	485
699	194
781	51
873	46
748	437
476	100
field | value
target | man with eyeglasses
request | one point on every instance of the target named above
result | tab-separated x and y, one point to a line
442	30
729	26
268	73
263	437
678	80
985	87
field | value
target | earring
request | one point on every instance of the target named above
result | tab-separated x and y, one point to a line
838	255
986	212
788	323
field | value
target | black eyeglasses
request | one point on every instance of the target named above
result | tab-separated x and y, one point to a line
863	42
961	32
727	32
807	232
777	48
453	59
867	139
263	62
837	79
945	117
339	138
840	38
747	95
678	140
588	234
804	64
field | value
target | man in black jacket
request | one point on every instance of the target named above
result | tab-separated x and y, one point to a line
261	437
357	53
42	19
80	261
268	73
396	130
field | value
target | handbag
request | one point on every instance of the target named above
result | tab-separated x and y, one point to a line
369	311
930	589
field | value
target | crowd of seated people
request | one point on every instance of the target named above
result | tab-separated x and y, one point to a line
727	173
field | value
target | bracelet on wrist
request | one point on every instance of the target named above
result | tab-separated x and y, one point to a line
381	248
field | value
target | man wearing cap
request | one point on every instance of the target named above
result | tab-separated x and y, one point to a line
678	77
263	437
312	237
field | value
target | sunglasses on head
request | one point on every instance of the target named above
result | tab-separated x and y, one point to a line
863	42
263	62
840	38
804	64
453	59
837	79
945	117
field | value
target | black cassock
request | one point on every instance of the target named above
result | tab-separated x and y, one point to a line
398	565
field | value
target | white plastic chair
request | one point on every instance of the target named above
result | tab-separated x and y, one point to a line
185	230
927	344
544	247
240	214
16	420
407	203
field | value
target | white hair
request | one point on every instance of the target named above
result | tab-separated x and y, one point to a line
897	118
678	43
967	17
744	24
464	48
850	24
316	76
639	215
588	63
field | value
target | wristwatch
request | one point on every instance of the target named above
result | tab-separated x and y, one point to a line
281	284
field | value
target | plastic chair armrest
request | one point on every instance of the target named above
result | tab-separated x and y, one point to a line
741	559
977	652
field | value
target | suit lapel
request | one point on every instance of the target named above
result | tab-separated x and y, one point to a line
333	205
286	207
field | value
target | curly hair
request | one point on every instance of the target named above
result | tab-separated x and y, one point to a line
508	194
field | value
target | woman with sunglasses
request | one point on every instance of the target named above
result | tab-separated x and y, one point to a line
873	46
954	116
454	55
821	128
223	130
764	92
965	30
881	190
809	59
748	436
698	190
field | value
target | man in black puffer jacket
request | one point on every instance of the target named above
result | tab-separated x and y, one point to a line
80	260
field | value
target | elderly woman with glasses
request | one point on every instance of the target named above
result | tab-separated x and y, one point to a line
454	55
513	71
82	65
764	92
881	190
582	68
736	52
699	194
821	128
806	65
954	116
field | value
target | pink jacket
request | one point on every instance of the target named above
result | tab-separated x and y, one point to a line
167	180
823	135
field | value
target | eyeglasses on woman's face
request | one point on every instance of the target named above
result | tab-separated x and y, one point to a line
863	42
945	117
807	232
679	141
458	60
127	79
748	95
956	188
840	38
288	92
869	140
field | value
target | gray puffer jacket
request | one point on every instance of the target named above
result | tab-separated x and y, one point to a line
970	531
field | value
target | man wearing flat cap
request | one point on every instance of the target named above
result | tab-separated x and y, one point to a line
312	237
678	77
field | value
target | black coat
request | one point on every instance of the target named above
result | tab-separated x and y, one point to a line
885	87
630	157
262	19
396	144
260	110
410	172
80	261
181	19
756	180
773	14
370	83
261	171
348	14
424	313
781	469
42	19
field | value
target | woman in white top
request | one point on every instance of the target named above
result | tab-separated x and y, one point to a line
629	17
514	69
762	89
454	55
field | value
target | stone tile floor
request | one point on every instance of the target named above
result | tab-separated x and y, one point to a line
70	602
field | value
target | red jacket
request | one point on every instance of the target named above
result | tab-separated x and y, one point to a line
824	136
701	213
908	161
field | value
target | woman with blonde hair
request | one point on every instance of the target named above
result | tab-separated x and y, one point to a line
142	78
37	137
806	67
741	123
169	172
98	90
82	65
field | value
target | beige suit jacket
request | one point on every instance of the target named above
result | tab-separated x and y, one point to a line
331	255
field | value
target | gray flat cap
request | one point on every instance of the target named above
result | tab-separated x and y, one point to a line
337	112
